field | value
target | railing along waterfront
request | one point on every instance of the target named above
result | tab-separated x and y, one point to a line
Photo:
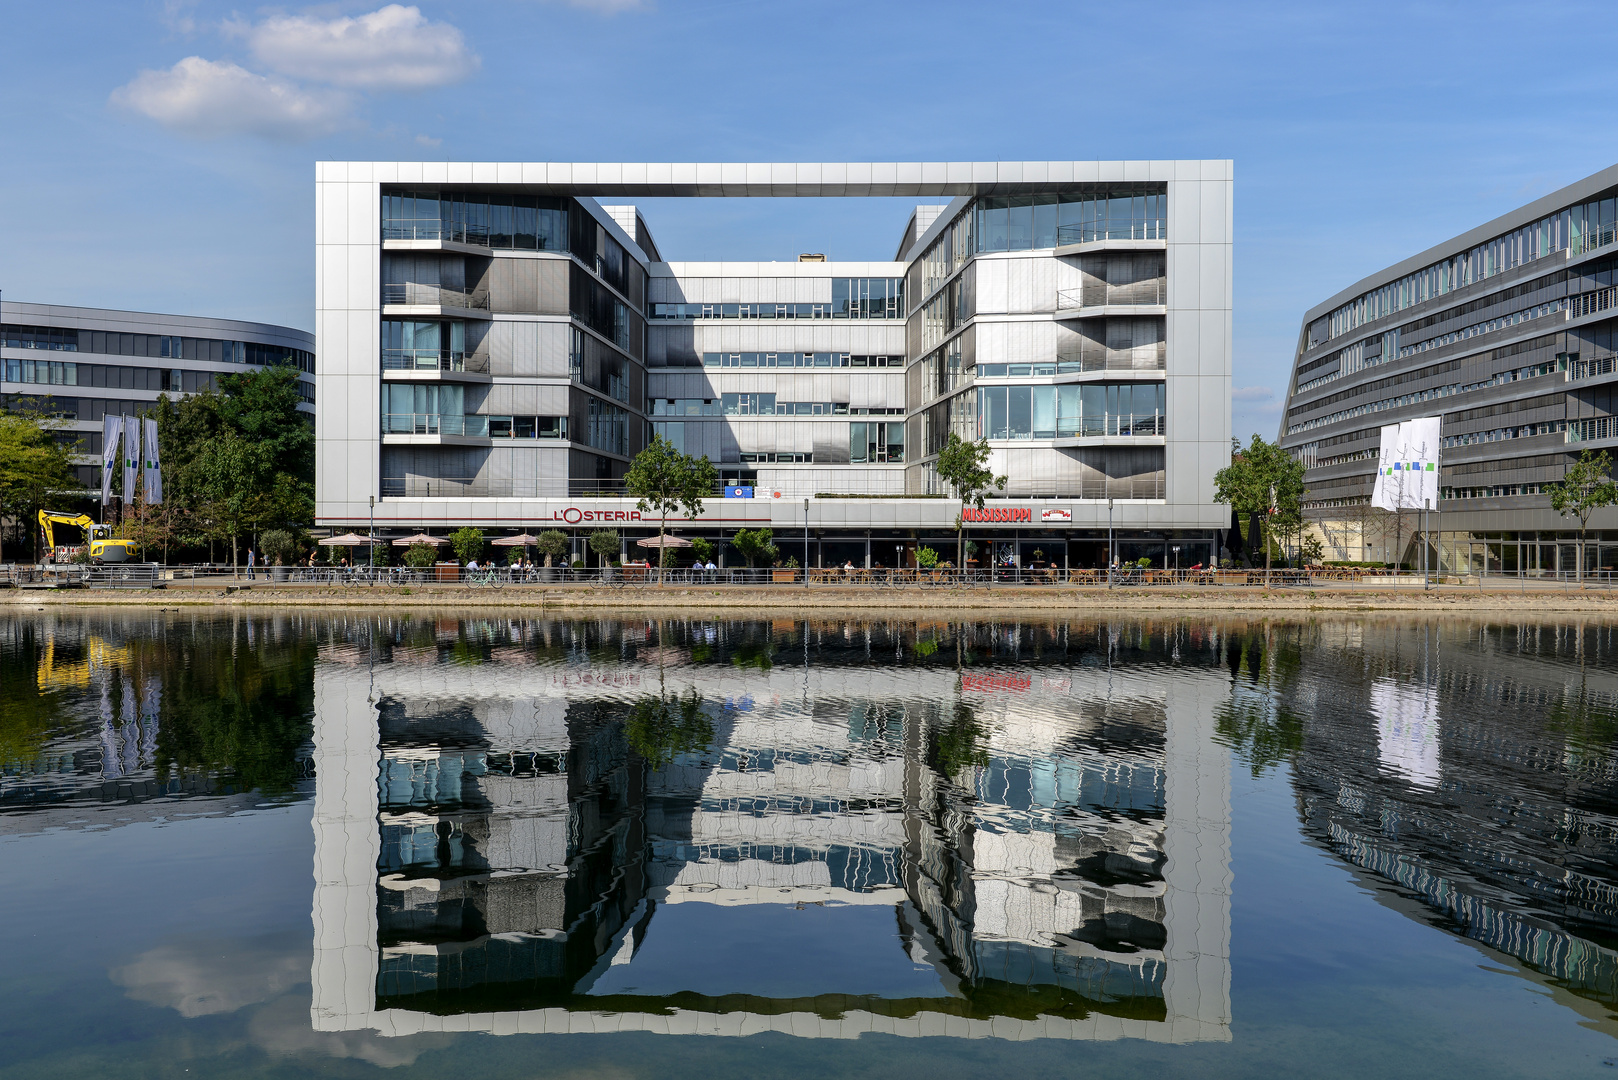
450	573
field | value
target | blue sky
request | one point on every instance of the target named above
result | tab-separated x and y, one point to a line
158	155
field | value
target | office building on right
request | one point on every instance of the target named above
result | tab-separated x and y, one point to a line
1507	332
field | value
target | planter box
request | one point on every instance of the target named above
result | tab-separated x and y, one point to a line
783	577
447	571
280	573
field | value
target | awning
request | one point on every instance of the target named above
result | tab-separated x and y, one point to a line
669	541
349	540
419	538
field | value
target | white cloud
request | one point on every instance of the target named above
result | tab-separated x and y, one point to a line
392	48
429	141
1252	393
210	98
206	978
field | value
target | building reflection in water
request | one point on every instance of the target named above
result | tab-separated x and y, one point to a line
1467	771
823	829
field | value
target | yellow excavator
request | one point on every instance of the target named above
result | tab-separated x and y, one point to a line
103	548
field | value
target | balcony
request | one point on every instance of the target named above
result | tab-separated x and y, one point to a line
1096	302
1100	426
529	487
436	425
434	361
1094	236
1593	369
432	232
437	297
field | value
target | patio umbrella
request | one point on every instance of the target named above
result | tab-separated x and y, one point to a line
520	540
419	538
348	540
664	542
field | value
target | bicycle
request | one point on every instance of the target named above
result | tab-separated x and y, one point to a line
484	579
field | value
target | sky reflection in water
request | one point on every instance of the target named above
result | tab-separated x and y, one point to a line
1199	847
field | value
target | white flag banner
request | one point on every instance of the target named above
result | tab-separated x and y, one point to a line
112	427
131	457
1407	731
1407	467
152	489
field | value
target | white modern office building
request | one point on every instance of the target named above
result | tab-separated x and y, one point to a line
85	363
498	341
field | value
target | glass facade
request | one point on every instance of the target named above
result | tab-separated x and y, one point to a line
423	345
799	360
1073	410
876	441
514	222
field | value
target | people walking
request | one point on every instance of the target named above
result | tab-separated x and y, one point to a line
249	564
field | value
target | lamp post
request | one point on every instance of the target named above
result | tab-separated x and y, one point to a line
372	534
1176	560
806	542
1111	554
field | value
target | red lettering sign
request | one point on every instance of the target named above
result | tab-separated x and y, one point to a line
573	515
997	513
990	684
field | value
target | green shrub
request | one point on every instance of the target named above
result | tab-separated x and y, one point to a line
279	546
420	556
606	544
552	544
755	545
467	543
926	558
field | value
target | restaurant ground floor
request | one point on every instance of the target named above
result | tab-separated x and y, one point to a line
1031	549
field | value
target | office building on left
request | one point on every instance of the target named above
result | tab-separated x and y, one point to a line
87	363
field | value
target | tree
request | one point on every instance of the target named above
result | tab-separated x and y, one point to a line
755	544
552	543
1585	488
964	467
239	460
35	464
666	480
659	728
280	546
702	548
605	543
467	543
1249	481
420	556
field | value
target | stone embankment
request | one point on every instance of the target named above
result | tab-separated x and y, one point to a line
776	600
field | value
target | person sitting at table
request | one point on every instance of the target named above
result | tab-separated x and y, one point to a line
848	567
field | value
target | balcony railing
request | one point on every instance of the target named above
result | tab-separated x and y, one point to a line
433	360
410	292
530	487
1142	293
1590	369
435	229
1091	231
435	424
1071	361
1600	427
1086	427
